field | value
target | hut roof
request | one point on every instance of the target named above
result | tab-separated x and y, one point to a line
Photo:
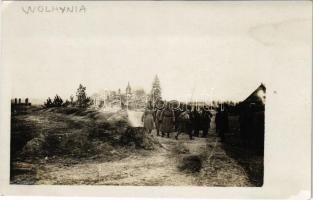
255	96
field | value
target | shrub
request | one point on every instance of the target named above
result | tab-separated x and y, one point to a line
57	102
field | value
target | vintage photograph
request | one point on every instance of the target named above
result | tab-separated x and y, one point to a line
158	98
138	137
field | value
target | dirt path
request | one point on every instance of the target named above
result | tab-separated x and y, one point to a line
130	166
159	167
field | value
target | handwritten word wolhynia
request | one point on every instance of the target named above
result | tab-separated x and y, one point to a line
54	9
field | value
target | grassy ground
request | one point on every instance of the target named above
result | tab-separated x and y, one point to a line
67	136
75	146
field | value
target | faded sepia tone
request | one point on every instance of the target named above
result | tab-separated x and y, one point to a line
156	94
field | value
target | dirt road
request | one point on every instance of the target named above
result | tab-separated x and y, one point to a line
168	165
158	167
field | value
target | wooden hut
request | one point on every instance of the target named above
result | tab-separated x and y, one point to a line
252	119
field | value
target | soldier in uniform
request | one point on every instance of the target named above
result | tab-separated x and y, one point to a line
158	121
185	124
195	119
148	118
168	120
159	105
177	112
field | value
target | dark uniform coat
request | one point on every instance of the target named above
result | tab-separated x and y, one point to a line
148	119
167	119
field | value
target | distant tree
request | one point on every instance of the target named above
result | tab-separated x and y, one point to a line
48	103
156	90
57	102
82	99
66	103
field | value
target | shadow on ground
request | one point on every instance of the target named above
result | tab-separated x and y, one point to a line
251	159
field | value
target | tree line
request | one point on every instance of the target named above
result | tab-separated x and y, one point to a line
82	100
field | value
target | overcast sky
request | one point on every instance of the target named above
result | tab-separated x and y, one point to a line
219	50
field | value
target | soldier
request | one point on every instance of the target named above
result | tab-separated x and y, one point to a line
177	112
205	120
168	120
195	119
158	121
185	124
159	105
147	118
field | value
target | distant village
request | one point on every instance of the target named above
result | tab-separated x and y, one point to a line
121	99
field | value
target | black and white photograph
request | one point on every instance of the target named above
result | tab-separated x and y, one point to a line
153	93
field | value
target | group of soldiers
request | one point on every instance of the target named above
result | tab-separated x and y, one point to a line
180	119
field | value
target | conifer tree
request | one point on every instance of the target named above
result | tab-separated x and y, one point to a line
156	92
82	99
